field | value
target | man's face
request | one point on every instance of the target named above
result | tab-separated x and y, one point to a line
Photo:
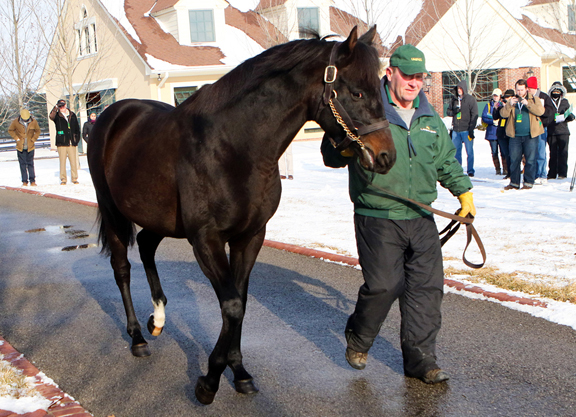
496	97
404	88
521	90
532	90
460	91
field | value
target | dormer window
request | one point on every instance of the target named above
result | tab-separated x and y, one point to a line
308	20
202	26
86	34
571	18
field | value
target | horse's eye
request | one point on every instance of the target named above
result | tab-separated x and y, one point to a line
357	95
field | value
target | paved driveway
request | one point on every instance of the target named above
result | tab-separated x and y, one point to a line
62	310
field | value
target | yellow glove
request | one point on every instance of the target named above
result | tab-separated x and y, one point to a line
348	152
467	203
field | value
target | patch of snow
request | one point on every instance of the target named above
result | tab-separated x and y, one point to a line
24	405
244	5
160	65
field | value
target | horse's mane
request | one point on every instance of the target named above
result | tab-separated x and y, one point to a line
274	61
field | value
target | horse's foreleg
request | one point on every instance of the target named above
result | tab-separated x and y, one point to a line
147	244
242	258
121	267
211	257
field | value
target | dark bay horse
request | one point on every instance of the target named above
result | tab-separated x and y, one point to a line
207	171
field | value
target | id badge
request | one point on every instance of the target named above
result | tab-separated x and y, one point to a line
519	118
556	115
459	115
502	122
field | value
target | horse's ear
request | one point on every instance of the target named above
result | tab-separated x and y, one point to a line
368	37
350	43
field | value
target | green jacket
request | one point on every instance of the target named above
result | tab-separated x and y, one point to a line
424	156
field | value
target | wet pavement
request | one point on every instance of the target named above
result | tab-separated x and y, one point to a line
60	307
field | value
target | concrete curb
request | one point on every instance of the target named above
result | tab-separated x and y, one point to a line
62	405
348	260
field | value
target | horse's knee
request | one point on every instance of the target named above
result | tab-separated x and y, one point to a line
233	310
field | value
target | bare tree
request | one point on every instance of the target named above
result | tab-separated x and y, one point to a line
22	55
478	39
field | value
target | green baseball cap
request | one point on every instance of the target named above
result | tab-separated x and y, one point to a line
409	59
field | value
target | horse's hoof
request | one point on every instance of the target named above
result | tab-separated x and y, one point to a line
141	350
154	331
202	394
245	386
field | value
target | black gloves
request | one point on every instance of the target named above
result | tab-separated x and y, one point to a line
471	134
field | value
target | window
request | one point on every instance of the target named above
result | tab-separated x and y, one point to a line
308	19
569	78
571	18
202	26
182	93
86	34
486	82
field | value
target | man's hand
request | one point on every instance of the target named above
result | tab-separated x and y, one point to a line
471	134
467	203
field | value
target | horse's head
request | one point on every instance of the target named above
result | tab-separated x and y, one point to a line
351	111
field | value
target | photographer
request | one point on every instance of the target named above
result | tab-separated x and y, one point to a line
524	128
503	139
67	138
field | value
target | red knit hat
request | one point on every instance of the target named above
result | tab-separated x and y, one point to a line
532	82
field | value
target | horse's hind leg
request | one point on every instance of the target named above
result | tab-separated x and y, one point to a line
147	244
121	267
242	258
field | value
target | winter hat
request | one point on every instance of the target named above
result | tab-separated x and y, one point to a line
532	82
557	85
497	92
24	114
409	59
509	93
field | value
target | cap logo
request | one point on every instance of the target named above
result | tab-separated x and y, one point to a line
416	59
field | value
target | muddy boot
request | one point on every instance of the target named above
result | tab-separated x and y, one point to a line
497	164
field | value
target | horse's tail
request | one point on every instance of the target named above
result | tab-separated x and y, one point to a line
111	221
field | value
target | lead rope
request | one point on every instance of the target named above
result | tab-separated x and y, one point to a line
449	230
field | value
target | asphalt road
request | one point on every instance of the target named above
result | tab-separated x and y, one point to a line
62	310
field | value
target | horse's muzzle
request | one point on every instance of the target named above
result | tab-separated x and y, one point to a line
378	154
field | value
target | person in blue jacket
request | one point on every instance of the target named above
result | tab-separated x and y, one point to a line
490	110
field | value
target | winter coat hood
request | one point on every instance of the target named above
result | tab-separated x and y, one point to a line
557	85
463	85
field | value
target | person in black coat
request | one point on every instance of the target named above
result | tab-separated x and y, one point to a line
559	133
67	138
87	128
464	111
503	139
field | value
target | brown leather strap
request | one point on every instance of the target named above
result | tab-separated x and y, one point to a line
449	230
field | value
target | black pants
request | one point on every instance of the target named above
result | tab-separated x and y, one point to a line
400	259
558	165
26	161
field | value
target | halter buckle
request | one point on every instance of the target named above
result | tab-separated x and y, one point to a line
330	74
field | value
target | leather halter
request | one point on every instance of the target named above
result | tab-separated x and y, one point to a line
354	129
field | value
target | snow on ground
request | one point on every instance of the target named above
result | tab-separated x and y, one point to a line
529	231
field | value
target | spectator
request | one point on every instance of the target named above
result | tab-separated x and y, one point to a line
25	130
546	118
88	125
398	243
503	139
492	126
286	165
464	112
67	138
523	128
558	132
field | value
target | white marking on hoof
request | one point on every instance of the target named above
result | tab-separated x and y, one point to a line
159	315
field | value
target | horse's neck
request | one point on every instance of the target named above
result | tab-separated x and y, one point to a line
276	116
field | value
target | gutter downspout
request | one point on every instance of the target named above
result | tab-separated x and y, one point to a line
166	76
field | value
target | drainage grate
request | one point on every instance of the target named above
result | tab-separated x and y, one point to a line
85	246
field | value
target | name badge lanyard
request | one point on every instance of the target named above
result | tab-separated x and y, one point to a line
557	106
519	117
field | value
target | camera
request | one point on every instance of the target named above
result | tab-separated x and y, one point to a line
519	98
61	105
